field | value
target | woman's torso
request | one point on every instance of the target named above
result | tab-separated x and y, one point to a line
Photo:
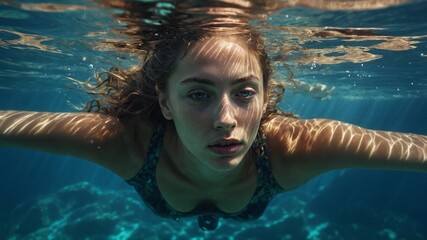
186	196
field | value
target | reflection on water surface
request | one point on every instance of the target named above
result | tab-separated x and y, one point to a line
330	48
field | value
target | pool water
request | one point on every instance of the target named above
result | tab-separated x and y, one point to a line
363	64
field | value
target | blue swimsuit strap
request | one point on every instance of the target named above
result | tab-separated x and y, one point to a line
145	180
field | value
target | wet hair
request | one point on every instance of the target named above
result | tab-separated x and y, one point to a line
129	93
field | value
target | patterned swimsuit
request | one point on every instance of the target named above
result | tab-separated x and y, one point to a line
146	185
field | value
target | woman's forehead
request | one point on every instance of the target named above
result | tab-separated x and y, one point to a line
233	55
220	46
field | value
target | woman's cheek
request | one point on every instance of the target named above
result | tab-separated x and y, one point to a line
194	118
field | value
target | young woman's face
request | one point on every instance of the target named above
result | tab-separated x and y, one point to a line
215	97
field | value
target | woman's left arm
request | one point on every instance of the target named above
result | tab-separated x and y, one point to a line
311	147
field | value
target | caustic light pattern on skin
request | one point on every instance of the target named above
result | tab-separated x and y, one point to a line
347	138
92	127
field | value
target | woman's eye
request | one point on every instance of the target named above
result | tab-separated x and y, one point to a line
198	96
246	94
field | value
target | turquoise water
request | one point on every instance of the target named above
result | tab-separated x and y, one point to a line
374	76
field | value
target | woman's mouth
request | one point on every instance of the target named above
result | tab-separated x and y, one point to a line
226	148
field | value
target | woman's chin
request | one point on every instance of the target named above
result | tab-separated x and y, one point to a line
225	164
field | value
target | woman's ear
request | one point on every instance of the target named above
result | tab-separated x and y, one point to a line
164	104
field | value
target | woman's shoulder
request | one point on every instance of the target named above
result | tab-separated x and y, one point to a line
275	129
278	125
292	136
135	142
284	135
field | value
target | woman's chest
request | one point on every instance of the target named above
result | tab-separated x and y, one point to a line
185	196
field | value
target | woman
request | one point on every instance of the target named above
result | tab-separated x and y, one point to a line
198	132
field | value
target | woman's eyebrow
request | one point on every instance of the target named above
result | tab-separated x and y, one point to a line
197	80
210	82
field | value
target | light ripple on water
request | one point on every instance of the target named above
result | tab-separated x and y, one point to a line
315	54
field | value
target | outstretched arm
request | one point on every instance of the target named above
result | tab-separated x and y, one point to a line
311	147
95	137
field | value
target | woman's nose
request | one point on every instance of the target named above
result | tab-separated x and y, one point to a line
225	116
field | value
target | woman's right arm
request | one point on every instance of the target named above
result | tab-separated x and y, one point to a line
95	137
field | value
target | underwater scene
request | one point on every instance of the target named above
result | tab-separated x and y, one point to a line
361	62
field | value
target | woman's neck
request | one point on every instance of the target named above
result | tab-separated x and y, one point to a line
199	173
